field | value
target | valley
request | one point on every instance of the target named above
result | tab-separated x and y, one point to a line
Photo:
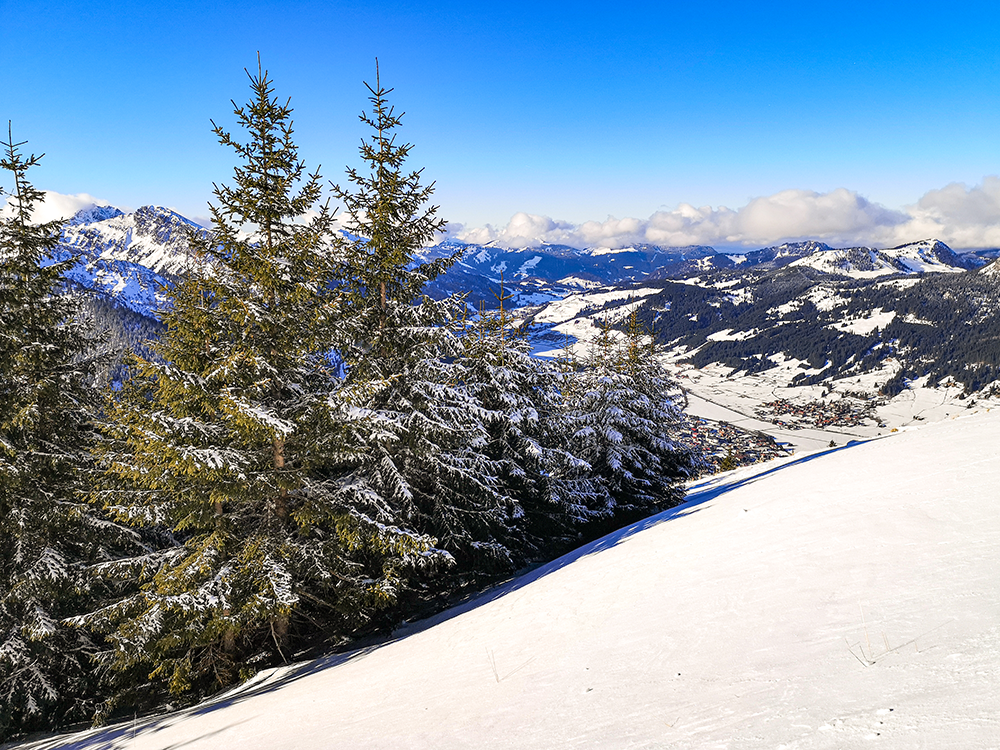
895	337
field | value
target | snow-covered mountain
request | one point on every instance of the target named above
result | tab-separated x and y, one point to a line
131	285
842	599
151	236
926	256
991	269
567	269
781	255
127	258
94	214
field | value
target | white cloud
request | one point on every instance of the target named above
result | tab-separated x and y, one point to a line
525	230
956	214
840	216
960	216
58	206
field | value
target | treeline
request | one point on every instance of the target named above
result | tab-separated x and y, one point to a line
946	325
115	331
304	454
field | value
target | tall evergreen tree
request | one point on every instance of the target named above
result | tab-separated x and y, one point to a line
49	534
388	212
550	491
413	424
229	442
626	411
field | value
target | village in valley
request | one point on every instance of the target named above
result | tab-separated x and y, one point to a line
842	413
724	446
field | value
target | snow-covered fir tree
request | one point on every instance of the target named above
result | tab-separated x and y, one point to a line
550	492
49	535
229	442
626	412
418	432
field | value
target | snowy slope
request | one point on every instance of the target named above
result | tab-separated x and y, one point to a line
838	600
129	258
993	269
926	256
856	262
132	285
151	236
577	318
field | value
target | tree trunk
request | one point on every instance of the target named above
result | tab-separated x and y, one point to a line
281	501
228	640
279	631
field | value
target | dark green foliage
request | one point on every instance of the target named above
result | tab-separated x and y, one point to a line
946	325
50	536
410	448
728	462
545	492
229	439
388	213
626	412
121	331
895	385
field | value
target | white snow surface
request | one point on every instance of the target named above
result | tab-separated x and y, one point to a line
728	335
151	236
576	305
921	257
842	599
609	250
580	282
867	263
579	317
878	318
528	265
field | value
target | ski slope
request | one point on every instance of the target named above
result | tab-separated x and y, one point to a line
842	599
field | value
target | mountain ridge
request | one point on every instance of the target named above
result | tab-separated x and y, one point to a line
745	311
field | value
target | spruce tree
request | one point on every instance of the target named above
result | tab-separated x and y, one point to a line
627	412
418	431
549	490
49	535
388	212
229	442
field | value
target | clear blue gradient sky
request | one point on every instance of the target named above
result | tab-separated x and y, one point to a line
575	111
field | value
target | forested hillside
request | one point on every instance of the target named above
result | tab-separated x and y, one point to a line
940	325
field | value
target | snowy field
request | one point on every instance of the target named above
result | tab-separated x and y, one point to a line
841	599
713	393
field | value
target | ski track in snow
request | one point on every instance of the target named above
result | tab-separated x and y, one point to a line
847	598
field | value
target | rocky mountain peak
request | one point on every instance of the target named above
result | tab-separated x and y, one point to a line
94	214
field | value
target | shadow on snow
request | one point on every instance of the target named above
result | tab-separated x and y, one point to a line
122	736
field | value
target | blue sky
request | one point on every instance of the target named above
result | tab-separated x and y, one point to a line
553	114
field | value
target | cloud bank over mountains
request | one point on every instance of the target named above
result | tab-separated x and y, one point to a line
56	205
961	216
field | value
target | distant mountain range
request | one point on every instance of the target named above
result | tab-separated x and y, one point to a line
940	309
128	256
